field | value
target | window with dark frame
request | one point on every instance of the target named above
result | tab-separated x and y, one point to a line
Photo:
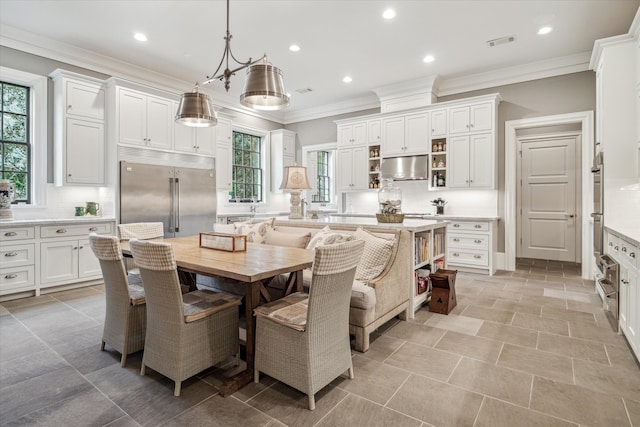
323	183
15	144
247	180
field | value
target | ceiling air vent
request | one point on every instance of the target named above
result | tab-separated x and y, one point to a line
501	40
304	90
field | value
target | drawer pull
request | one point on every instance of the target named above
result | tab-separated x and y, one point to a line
456	239
456	254
10	234
11	254
632	254
456	225
478	241
616	248
61	231
93	229
477	226
10	276
624	249
477	256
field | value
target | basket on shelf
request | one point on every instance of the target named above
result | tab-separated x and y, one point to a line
390	217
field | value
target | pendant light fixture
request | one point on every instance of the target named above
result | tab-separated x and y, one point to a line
263	89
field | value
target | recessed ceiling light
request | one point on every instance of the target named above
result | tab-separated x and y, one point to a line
294	48
389	14
545	30
140	37
347	79
429	58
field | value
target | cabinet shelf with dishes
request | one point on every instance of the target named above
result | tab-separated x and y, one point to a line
374	166
438	175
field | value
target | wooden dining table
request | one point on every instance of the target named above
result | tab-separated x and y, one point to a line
250	270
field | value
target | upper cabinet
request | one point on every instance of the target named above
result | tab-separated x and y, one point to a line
144	119
374	131
198	140
471	161
352	134
283	153
473	118
79	134
405	135
439	123
224	153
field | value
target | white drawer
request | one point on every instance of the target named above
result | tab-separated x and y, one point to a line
17	255
75	230
467	257
468	226
16	279
17	233
629	253
467	241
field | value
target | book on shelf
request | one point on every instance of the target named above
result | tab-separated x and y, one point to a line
438	243
421	249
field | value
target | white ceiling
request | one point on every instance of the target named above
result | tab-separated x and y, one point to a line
337	38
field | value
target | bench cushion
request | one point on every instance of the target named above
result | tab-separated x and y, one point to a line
376	255
295	240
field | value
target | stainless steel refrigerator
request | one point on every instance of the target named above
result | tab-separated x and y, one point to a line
184	199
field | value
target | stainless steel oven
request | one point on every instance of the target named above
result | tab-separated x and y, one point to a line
608	286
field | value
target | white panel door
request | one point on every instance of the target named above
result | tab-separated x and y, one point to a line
481	117
458	162
360	165
88	264
224	166
393	137
85	160
132	118
481	161
159	122
458	120
59	261
548	199
344	169
416	133
438	123
85	101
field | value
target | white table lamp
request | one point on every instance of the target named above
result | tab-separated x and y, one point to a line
295	180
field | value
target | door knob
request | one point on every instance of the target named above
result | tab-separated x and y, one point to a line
570	215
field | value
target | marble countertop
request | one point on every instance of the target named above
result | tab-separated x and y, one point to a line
52	221
631	233
415	225
429	217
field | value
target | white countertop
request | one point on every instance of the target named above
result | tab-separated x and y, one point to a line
429	217
631	233
415	225
52	221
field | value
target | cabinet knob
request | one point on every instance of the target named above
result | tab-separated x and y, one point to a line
477	226
75	248
69	107
478	241
624	249
93	229
632	254
10	254
471	125
456	254
456	225
610	244
625	281
456	240
10	233
81	247
477	256
69	175
10	276
616	248
61	231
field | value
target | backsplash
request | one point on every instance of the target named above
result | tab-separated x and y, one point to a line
60	202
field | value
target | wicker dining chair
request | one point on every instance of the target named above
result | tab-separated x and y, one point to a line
188	333
142	231
303	340
125	315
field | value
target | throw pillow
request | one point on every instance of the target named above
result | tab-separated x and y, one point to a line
279	238
376	255
326	236
255	231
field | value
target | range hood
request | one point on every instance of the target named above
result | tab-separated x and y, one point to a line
405	168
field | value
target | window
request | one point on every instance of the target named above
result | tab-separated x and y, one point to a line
248	177
15	147
323	184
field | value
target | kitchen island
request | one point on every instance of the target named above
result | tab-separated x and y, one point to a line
423	242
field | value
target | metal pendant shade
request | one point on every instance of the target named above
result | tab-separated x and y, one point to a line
264	88
195	110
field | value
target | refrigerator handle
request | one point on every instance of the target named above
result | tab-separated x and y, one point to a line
177	205
171	213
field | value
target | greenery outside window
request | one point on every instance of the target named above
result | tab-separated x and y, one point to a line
323	181
248	176
15	145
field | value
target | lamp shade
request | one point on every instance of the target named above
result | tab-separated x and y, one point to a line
264	88
195	110
295	178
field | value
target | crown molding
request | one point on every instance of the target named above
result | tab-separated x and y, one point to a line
356	104
634	30
516	74
599	45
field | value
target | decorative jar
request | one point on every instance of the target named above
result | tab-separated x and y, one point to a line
390	200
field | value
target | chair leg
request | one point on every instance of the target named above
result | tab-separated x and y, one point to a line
142	369
123	360
312	402
176	390
102	346
351	376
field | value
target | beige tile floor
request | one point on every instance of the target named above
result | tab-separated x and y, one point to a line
528	348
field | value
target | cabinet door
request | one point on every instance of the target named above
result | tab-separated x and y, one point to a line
289	145
416	133
374	131
85	100
159	122
59	261
481	161
205	141
360	168
88	264
344	169
458	168
393	136
438	123
85	152
223	132
458	120
345	135
633	325
132	118
623	300
360	133
184	138
224	167
481	117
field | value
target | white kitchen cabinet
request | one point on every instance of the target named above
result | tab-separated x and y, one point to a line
470	246
194	140
352	173
439	123
79	135
374	131
473	118
224	166
471	162
352	134
17	260
405	135
144	119
283	153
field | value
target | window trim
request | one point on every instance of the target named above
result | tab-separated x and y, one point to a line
38	86
332	147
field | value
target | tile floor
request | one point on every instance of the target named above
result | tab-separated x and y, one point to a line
528	348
